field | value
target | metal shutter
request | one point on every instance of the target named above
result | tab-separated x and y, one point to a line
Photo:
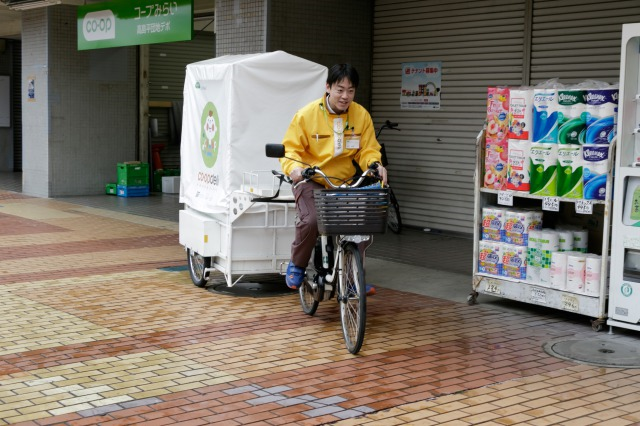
167	64
432	160
574	40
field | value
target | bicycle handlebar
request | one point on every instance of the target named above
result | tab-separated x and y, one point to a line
310	172
387	125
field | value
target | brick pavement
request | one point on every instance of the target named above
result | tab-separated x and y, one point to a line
96	328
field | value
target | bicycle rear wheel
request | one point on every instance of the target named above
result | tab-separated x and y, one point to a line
307	298
394	221
353	298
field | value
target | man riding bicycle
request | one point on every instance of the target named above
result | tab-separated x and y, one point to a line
331	133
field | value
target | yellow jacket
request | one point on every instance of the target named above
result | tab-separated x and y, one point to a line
310	138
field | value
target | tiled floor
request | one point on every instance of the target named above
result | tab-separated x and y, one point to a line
100	325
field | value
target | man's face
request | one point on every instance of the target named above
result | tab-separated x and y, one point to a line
341	95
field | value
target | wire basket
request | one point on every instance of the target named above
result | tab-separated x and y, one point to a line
351	211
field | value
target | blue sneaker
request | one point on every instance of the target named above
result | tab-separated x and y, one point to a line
371	290
295	276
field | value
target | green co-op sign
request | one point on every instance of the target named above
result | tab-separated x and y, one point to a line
126	23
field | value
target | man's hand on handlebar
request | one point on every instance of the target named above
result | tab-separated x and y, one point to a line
299	174
381	171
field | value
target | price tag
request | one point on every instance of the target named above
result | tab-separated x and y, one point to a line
539	295
551	204
505	198
493	288
570	303
584	206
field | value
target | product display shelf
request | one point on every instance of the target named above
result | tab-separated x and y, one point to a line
624	301
535	293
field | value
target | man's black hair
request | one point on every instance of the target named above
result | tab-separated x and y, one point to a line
338	72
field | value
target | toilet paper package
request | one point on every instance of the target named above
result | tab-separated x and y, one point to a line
520	114
545	116
518	165
541	245
571	116
517	224
576	268
594	171
558	270
514	261
497	114
566	240
593	268
493	223
580	240
534	259
543	165
601	115
490	257
570	171
495	165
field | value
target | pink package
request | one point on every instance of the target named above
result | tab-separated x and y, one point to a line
495	165
497	114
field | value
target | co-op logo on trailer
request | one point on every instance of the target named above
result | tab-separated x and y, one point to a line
209	134
100	25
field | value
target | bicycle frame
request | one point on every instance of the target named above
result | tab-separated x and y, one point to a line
329	273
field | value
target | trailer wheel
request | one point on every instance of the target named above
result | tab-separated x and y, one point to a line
197	265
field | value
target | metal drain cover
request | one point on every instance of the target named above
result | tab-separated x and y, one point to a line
596	352
266	285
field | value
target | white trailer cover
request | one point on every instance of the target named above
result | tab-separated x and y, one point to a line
233	106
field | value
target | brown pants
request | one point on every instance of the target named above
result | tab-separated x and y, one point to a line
306	224
306	232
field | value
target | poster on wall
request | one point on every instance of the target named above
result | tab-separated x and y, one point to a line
421	83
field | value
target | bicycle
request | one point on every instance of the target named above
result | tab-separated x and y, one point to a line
347	215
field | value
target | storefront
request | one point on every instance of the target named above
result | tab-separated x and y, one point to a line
480	44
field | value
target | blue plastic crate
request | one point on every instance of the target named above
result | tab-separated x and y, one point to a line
133	191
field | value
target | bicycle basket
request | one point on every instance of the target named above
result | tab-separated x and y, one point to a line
351	211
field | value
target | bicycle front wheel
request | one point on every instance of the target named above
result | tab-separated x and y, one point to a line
353	298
